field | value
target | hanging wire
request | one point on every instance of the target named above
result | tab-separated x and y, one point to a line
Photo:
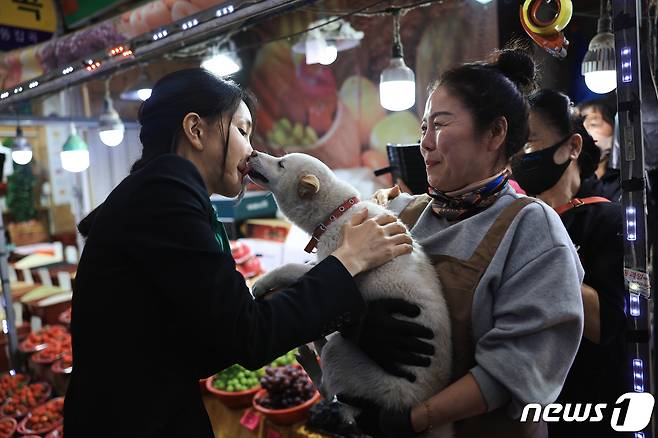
396	26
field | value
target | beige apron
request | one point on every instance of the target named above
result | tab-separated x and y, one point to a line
459	280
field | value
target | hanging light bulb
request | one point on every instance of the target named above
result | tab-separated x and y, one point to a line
397	84
223	62
599	63
75	153
141	90
21	151
318	50
110	126
327	37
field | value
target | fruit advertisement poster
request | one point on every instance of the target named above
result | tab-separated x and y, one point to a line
333	112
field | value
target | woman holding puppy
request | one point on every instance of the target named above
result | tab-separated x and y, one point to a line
156	245
510	274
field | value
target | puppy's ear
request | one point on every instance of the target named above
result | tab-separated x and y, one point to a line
308	186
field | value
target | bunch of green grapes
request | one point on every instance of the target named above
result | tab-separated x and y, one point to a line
236	378
286	359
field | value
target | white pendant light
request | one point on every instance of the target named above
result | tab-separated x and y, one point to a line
110	126
598	65
141	90
318	50
325	38
397	83
222	62
75	153
21	151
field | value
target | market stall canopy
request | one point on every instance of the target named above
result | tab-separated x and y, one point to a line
120	42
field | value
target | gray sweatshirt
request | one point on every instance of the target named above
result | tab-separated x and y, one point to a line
527	309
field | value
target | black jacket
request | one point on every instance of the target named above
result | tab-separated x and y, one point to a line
157	307
600	372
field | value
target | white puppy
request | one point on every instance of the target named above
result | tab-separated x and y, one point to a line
308	192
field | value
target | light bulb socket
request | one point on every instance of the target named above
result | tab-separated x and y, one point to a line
397	51
604	24
601	54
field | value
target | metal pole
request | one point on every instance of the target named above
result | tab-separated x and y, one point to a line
628	44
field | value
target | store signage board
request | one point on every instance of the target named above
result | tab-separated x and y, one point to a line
26	22
638	282
79	12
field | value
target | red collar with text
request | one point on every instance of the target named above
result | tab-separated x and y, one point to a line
320	229
576	202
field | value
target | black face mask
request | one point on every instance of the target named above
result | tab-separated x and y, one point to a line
536	172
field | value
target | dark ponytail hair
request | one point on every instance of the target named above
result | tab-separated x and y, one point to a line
558	112
495	89
173	97
178	94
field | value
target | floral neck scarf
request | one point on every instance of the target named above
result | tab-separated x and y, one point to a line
466	202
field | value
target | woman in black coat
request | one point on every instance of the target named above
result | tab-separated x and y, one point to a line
158	303
558	168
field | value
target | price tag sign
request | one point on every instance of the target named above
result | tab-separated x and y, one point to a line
638	282
250	420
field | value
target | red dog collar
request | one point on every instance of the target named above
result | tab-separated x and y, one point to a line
320	229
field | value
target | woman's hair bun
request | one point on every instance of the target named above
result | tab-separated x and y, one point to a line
518	66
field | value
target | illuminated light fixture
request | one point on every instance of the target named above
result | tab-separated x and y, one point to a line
127	53
397	83
222	62
638	375
116	51
484	2
325	39
141	90
33	84
225	10
599	63
4	95
160	35
631	224
190	24
18	90
110	126
67	70
91	65
75	153
21	151
634	300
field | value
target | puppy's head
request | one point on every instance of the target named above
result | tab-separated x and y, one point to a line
305	189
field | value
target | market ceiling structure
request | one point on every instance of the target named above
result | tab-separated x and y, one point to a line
202	26
222	19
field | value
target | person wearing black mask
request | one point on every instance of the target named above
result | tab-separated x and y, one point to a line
559	155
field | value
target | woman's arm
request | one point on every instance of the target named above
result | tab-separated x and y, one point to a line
460	400
591	309
212	312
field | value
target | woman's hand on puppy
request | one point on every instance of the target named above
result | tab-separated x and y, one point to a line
368	243
383	196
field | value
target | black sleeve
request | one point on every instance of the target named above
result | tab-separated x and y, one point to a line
222	321
605	270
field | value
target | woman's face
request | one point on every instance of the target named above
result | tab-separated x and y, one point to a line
542	136
227	179
455	154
